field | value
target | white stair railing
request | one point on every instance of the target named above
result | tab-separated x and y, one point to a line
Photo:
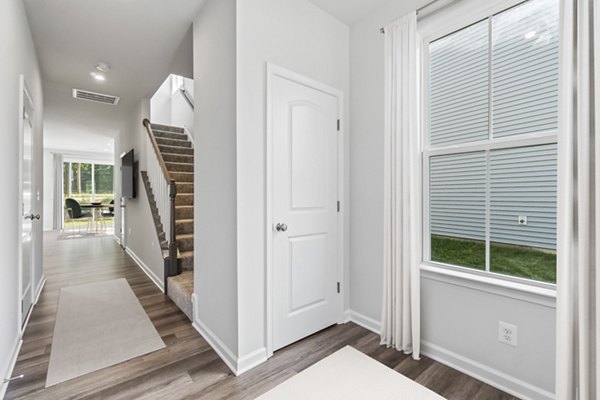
164	190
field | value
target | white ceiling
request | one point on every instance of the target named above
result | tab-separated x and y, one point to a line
349	11
138	38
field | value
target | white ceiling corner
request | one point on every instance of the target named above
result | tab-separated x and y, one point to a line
349	11
138	38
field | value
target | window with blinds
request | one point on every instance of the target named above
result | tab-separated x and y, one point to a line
491	150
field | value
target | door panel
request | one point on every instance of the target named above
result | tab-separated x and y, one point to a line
308	266
308	156
305	182
27	205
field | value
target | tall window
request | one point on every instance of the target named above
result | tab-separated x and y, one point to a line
87	182
490	152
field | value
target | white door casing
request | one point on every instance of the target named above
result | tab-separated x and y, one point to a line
304	176
26	213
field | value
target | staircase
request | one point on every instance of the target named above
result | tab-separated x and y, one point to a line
178	155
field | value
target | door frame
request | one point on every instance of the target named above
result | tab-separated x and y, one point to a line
25	96
273	71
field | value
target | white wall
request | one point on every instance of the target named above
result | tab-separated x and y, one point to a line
18	43
215	216
182	63
171	108
160	104
298	36
141	238
460	324
182	114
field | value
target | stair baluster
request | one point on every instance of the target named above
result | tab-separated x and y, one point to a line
165	191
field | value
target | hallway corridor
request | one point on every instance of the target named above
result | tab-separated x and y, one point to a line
78	261
188	368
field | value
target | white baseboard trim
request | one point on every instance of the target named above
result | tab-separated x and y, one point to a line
35	300
9	368
39	290
117	239
362	320
237	365
251	360
491	376
194	298
218	346
157	281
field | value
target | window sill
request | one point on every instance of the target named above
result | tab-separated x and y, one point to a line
545	296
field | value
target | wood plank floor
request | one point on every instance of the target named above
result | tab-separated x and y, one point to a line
188	368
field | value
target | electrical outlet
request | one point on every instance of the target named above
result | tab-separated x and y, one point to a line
522	220
507	333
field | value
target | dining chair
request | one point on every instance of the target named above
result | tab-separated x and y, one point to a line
75	213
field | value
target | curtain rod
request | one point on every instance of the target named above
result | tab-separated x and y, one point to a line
419	10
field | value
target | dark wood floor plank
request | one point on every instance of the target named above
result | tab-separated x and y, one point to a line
188	368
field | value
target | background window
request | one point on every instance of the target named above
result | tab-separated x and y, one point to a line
103	179
492	202
87	182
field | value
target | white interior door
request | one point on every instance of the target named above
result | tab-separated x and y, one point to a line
304	210
27	217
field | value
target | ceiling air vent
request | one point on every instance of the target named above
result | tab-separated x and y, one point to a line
95	97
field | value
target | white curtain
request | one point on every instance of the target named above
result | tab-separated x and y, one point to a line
402	192
57	195
578	252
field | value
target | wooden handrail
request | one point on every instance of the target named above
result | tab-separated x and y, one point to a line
171	267
159	156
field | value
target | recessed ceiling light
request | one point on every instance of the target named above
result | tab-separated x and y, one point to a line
103	67
98	77
530	34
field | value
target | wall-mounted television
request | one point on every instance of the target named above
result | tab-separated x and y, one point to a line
128	181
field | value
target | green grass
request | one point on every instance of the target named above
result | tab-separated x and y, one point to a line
521	261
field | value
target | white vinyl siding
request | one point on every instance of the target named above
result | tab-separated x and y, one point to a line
523	183
459	89
525	69
457	195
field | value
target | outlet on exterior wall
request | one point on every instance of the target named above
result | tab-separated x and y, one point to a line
507	333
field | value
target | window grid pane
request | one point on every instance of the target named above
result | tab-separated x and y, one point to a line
459	76
457	208
525	69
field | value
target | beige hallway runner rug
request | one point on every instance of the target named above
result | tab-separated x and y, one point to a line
349	374
98	325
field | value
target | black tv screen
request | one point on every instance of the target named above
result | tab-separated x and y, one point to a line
127	175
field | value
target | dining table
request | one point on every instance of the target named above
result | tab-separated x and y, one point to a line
96	209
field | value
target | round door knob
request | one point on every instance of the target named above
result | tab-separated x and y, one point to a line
37	216
281	227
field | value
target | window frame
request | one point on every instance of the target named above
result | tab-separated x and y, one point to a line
487	145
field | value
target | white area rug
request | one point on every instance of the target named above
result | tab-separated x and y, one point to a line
349	374
98	325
